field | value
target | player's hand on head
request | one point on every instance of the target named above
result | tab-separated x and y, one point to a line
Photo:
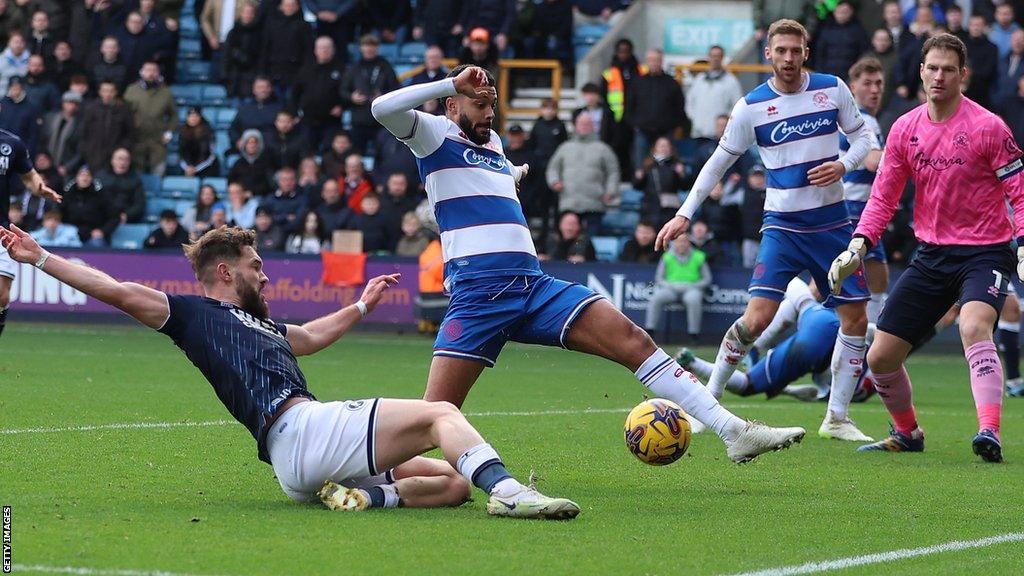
826	174
472	82
22	247
670	231
375	289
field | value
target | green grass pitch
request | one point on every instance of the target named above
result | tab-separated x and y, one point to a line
195	500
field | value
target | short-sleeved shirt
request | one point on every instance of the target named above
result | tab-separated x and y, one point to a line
246	359
795	132
14	163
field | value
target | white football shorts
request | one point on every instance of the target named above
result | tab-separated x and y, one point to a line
316	441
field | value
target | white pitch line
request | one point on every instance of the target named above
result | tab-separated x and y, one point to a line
885	557
92	571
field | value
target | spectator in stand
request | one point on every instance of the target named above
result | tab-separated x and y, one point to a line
871	14
240	207
217	23
64	66
376	229
915	6
18	114
368	78
570	243
705	148
704	240
32	208
45	167
309	238
754	194
1003	28
337	19
162	35
106	125
287	203
109	66
548	130
655	106
123	191
252	167
640	248
398	199
1013	111
269	237
681	278
480	51
394	156
435	22
286	145
711	94
317	90
538	201
334	213
334	158
840	42
1011	68
893	17
390	19
608	12
585	174
39	88
85	205
552	32
170	234
908	73
156	119
14	59
433	67
356	183
954	22
240	53
287	44
414	238
661	178
138	45
600	113
195	145
258	112
61	133
616	84
310	180
55	234
198	217
883	49
11	20
983	61
767	11
495	16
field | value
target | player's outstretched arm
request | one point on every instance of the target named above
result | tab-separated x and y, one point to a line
314	336
709	177
146	305
34	182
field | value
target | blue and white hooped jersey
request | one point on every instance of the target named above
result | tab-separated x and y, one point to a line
857	184
794	133
472	190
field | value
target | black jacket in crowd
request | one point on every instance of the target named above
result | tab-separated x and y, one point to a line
240	58
655	104
87	209
317	89
287	46
372	78
839	46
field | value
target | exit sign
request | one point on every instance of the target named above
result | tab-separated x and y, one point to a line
693	36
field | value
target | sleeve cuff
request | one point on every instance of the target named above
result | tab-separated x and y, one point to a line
868	244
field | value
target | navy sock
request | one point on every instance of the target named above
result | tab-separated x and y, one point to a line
1010	343
3	319
376	496
489	475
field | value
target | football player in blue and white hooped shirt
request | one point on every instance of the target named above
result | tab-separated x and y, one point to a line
498	291
15	162
794	118
867	82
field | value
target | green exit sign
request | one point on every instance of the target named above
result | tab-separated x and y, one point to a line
693	36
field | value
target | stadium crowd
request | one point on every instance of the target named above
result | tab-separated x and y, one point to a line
99	90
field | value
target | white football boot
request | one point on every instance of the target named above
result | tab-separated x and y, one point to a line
758	438
529	503
842	429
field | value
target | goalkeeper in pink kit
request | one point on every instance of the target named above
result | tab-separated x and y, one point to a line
965	164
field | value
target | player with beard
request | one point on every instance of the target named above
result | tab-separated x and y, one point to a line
353	455
498	291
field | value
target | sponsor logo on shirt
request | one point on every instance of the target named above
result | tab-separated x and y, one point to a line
474	158
255	323
784	130
938	163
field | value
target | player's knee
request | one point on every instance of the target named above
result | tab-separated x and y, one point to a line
855	326
756	323
637	346
973	331
458	491
882	363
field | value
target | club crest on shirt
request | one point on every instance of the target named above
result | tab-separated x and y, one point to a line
961	139
1010	145
5	149
820	99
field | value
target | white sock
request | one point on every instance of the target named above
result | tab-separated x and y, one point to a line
733	349
391	498
667	379
702	368
875	305
1003	325
785	318
507	487
847	368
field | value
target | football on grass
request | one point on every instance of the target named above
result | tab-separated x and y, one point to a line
657	432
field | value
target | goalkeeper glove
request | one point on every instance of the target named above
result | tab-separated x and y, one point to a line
1020	262
847	263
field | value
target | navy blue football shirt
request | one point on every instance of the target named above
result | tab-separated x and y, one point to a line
248	360
14	163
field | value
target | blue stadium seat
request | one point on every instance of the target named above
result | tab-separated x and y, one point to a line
221	142
182	113
402	69
130	236
229	161
411	53
607	248
631	198
193	71
186	95
619	222
353	52
190	49
389	52
150	183
592	32
173	160
179	187
214	95
220	185
225	116
154	206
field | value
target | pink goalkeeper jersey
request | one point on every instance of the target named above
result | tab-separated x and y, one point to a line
963	169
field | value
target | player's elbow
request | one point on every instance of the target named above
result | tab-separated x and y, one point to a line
378	107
